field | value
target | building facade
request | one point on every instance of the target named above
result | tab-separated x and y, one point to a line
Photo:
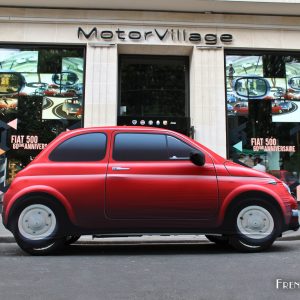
231	81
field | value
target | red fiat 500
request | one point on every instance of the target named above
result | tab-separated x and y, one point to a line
125	181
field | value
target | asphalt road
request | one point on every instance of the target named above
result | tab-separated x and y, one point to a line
199	271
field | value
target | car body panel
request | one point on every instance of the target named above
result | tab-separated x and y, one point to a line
178	190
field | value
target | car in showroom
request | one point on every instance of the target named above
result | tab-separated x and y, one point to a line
135	180
71	106
241	109
7	103
286	106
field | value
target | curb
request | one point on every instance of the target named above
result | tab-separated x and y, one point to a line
7	239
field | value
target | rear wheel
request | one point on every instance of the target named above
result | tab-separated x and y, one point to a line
36	225
71	239
256	223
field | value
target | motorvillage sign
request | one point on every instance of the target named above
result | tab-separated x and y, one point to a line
166	34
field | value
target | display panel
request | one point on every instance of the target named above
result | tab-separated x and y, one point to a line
263	112
41	95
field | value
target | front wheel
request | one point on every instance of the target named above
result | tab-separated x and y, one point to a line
36	224
221	240
256	223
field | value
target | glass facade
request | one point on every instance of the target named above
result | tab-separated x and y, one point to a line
263	111
41	95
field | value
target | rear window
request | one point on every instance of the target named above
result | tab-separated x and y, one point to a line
81	148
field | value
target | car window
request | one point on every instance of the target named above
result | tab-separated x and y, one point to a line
140	147
149	147
81	148
178	149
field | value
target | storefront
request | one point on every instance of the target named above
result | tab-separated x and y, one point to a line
229	81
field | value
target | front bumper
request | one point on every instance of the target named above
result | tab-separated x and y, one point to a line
294	222
1	201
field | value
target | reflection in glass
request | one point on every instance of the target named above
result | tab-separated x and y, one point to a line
251	87
11	82
265	108
33	102
294	82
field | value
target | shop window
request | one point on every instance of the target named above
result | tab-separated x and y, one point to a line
263	111
41	95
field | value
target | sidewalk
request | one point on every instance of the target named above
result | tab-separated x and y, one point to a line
7	237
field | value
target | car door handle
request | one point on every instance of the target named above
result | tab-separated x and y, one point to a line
120	169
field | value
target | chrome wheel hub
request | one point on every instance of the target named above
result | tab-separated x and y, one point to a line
255	222
36	222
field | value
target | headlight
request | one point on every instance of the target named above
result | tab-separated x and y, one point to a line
287	187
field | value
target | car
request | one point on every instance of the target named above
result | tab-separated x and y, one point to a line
79	113
286	106
241	108
136	180
50	93
71	106
68	93
247	65
21	60
231	98
278	92
8	103
276	109
229	108
293	91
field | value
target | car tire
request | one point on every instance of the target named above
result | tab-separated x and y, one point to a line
255	224
71	239
221	240
36	224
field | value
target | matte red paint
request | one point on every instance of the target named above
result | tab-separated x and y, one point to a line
150	196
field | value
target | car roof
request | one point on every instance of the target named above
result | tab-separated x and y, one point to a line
120	128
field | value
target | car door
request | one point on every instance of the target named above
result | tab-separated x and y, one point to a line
150	176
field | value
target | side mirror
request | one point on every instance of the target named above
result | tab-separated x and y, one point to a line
198	158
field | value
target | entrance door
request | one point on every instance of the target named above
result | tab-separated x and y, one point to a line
154	91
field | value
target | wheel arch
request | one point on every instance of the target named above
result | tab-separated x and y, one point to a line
63	205
243	196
